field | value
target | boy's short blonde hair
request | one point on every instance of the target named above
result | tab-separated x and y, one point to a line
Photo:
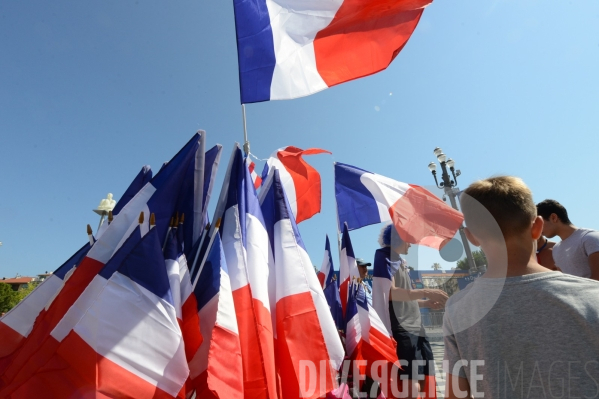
506	198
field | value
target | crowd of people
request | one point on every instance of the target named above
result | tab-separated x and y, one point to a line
528	327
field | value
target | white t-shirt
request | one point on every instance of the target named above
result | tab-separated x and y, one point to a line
572	254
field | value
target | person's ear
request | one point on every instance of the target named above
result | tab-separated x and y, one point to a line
553	217
537	227
471	237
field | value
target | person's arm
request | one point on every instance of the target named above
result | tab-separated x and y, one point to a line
594	265
403	295
591	247
428	303
547	259
456	387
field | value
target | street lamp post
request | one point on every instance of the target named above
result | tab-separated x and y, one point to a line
449	186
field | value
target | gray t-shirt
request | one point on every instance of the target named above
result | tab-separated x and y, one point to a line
405	313
572	254
539	339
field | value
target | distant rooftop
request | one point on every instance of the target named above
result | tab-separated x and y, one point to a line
18	280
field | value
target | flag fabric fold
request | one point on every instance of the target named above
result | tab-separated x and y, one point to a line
366	338
245	245
305	329
185	302
214	374
365	198
330	286
348	267
288	48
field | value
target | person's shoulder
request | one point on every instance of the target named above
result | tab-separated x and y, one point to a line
565	281
588	234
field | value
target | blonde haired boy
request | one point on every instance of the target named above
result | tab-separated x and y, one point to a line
520	330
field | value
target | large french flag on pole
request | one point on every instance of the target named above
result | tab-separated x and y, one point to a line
365	198
159	196
245	245
300	180
128	342
305	330
366	338
348	267
213	374
292	48
16	325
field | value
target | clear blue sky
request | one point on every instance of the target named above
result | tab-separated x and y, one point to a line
91	91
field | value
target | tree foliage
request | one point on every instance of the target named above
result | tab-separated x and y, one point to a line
8	298
437	266
479	259
23	292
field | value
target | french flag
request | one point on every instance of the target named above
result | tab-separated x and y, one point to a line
348	267
16	325
160	196
330	286
257	180
291	48
245	245
326	273
305	330
366	338
128	342
184	299
213	374
365	198
300	180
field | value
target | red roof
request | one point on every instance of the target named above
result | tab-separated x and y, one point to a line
17	280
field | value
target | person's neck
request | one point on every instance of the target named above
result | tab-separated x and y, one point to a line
566	230
516	258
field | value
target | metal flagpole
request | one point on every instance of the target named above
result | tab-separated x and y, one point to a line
246	143
337	214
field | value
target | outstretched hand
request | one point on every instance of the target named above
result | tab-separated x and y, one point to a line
437	296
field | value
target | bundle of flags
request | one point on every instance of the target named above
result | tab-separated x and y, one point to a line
148	307
118	318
